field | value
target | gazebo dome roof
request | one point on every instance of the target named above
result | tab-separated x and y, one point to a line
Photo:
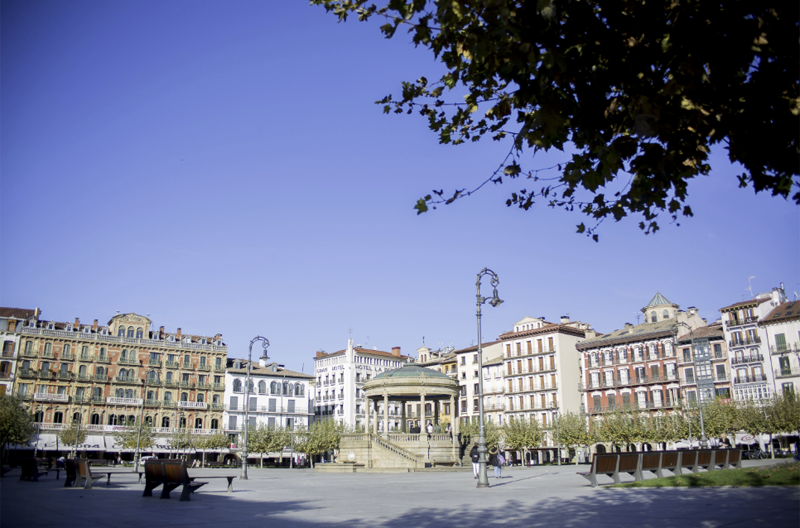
411	371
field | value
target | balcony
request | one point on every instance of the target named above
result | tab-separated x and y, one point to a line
46	375
203	385
86	357
741	321
128	361
219	368
172	364
191	405
65	356
64	376
127	379
787	372
103	358
8	354
187	384
97	400
217	406
102	378
168	404
187	365
643	380
154	362
50	397
170	383
124	401
152	403
755	358
783	349
219	386
28	353
750	379
630	407
85	378
204	367
746	341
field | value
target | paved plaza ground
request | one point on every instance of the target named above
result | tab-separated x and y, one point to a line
540	496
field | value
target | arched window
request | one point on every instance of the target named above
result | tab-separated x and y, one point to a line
65	353
102	353
214	423
299	389
286	388
48	349
165	421
250	386
184	396
39	416
148	420
58	417
182	422
151	395
124	354
200	397
76	417
130	331
131	419
95	419
262	387
215	398
112	419
82	370
121	331
129	393
167	397
665	315
97	393
274	388
139	333
100	371
169	376
120	393
237	385
653	317
198	423
152	375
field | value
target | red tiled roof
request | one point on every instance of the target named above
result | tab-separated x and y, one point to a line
16	313
787	311
474	348
712	331
363	351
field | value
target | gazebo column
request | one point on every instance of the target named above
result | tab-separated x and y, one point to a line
453	430
436	404
422	413
403	426
375	422
386	415
366	427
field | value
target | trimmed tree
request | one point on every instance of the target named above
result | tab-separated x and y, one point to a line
16	423
573	432
522	434
73	436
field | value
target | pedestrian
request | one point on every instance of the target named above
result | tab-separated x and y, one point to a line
473	454
429	428
494	460
724	442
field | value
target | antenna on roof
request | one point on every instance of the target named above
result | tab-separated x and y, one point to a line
638	315
750	286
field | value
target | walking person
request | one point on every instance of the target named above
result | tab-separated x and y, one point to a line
473	454
494	460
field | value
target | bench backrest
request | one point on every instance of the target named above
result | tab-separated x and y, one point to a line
82	467
628	461
734	456
606	463
650	460
153	471
688	458
669	459
175	473
704	457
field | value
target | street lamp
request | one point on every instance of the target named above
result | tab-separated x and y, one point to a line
554	408
703	439
483	480
137	454
264	344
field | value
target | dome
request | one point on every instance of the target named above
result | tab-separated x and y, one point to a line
411	371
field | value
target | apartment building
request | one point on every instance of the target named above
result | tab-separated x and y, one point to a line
637	365
340	378
542	368
467	373
494	391
277	397
107	376
781	328
445	361
11	320
753	374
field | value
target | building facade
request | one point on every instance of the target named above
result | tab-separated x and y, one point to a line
541	368
106	376
11	321
720	363
467	374
781	328
277	398
340	377
636	367
753	376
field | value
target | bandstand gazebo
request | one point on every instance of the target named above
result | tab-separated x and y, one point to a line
403	449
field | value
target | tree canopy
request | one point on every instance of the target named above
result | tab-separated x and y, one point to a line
16	422
634	93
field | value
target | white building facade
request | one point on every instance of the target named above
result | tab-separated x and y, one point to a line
339	380
467	373
277	398
751	362
781	329
11	320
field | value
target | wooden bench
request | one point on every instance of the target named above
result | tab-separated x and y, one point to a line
670	460
30	470
734	458
651	461
154	474
175	475
605	464
87	477
629	463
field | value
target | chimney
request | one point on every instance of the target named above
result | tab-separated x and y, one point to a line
396	351
564	319
77	323
628	325
161	332
36	313
320	353
178	335
94	326
217	337
692	310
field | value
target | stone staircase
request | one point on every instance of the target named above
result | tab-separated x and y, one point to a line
400	456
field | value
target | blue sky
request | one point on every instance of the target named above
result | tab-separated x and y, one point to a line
222	167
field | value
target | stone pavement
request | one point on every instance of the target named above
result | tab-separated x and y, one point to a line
540	496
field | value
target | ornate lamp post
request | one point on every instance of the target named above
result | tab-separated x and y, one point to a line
264	344
483	480
703	439
554	408
137	454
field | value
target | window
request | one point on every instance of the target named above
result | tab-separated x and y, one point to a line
121	331
262	387
653	317
139	333
253	404
58	417
290	406
48	349
665	314
214	424
130	331
198	423
165	421
95	419
184	396
299	390
272	404
237	385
